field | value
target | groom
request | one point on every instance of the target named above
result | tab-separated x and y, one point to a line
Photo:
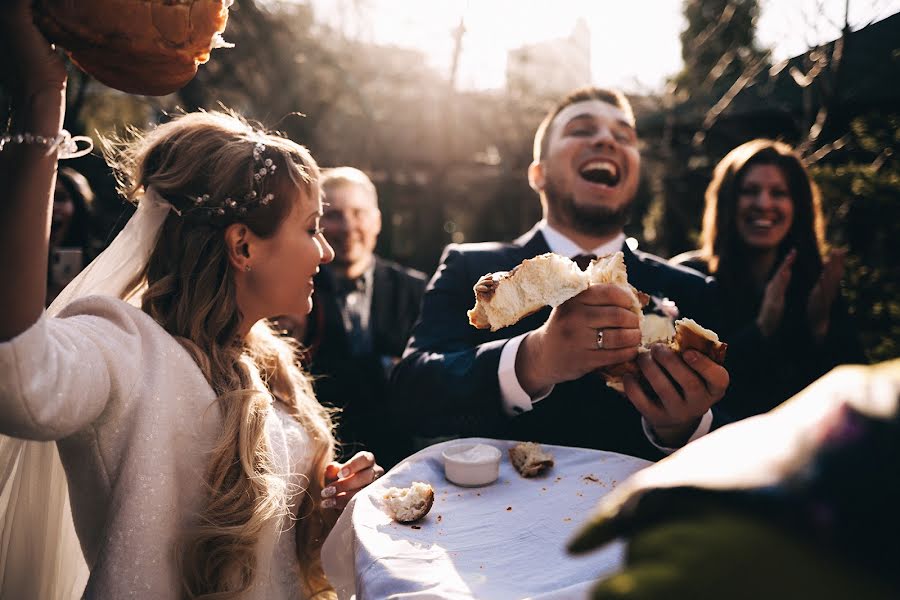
536	380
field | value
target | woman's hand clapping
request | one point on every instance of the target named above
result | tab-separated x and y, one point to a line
821	297
772	308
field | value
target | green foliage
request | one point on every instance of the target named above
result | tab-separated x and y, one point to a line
718	44
863	209
878	133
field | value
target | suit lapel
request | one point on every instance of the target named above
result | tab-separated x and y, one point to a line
333	334
644	274
633	264
381	297
532	241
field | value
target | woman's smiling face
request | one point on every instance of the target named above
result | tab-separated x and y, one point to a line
765	210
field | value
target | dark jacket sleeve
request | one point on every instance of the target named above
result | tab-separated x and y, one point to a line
447	381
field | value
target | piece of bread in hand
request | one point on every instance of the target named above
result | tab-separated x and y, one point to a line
503	298
688	335
148	47
407	505
611	269
529	459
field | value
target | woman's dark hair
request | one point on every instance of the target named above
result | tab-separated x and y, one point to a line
80	229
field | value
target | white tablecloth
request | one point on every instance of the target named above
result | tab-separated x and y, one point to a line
504	540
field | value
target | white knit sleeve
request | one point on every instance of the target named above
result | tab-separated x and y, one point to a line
58	376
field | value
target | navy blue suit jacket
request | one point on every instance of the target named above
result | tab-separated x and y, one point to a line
447	382
358	385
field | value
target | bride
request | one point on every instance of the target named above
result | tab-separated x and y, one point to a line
196	455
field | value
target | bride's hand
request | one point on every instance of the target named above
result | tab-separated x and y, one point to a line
343	480
30	65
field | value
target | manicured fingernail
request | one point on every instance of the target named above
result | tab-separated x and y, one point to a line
329	492
691	356
345	472
328	503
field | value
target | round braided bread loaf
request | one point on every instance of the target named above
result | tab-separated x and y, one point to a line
148	47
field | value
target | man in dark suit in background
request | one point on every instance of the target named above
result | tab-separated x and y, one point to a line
536	380
363	310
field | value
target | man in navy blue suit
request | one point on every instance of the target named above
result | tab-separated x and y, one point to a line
537	380
364	307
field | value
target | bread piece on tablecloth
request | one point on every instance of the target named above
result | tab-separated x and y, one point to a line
529	459
407	505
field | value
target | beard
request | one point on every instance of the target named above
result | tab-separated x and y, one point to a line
588	220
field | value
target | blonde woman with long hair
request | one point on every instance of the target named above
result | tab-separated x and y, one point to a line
199	464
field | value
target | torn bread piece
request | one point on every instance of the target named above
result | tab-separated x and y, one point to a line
408	505
529	459
611	269
657	328
690	335
504	298
687	335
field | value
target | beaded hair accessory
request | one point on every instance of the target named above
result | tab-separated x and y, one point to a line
205	205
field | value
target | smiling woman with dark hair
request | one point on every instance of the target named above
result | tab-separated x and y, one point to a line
763	239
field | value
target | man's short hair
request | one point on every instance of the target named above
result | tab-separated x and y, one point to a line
613	97
340	176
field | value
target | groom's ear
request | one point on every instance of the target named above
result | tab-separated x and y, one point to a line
238	239
536	176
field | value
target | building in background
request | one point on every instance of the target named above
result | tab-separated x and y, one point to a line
552	67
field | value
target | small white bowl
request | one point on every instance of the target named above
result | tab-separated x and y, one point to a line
471	465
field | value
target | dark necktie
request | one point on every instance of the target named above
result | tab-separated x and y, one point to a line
583	260
345	286
351	296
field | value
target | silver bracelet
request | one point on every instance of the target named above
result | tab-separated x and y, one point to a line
65	145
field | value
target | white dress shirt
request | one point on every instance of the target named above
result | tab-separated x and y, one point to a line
515	399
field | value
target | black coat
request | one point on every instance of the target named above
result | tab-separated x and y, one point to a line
358	384
767	371
447	382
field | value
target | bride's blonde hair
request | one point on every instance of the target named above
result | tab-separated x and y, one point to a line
191	293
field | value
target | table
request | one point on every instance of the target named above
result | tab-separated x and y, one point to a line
504	540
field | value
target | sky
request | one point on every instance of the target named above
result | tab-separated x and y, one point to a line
635	44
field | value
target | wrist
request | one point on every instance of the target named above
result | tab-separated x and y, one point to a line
676	435
529	365
40	112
